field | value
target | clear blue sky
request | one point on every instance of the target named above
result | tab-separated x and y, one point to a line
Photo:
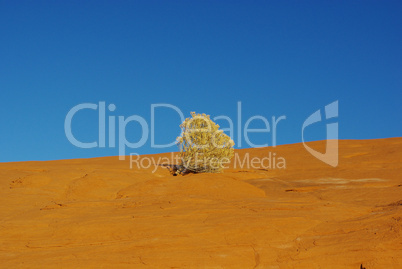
276	57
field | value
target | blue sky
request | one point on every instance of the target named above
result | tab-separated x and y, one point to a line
278	58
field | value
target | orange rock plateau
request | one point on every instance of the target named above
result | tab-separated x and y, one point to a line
100	213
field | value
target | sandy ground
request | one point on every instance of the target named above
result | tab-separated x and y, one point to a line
99	213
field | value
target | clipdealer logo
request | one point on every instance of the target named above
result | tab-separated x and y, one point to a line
330	156
109	124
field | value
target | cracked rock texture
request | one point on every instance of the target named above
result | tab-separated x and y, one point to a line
100	213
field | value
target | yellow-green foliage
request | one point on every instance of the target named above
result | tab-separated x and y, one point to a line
203	147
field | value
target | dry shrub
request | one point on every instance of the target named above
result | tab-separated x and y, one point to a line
203	147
